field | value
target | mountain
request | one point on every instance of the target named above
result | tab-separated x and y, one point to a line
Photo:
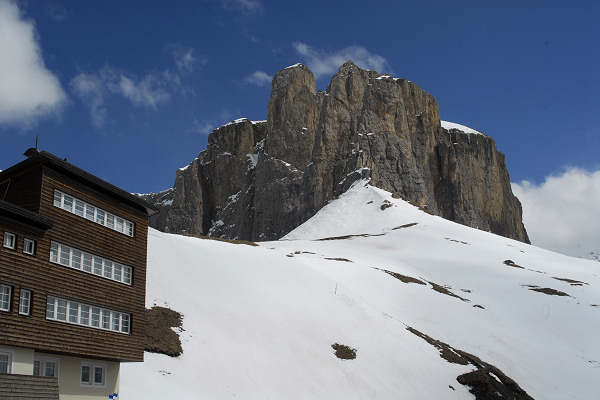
432	308
260	180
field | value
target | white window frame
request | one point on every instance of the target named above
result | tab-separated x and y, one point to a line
90	212
43	360
111	315
92	374
63	254
10	354
10	295
11	235
30	297
27	241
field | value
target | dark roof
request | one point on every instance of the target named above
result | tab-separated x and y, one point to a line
22	215
43	157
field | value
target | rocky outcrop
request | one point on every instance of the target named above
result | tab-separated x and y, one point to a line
259	180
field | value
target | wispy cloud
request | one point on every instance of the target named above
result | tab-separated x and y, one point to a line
29	91
322	62
150	91
90	88
202	127
562	213
259	78
185	59
205	127
244	6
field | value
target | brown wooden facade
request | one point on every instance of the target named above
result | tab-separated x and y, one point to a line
32	186
22	387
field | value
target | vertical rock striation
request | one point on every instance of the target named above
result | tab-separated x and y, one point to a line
259	180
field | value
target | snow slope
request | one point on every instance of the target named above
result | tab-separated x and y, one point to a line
259	321
453	125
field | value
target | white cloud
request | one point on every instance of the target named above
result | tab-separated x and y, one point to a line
563	213
323	62
259	78
245	6
203	127
28	90
185	60
207	126
90	88
150	91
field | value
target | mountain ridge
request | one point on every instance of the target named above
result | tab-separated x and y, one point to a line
259	180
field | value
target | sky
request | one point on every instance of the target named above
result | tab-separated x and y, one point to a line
130	90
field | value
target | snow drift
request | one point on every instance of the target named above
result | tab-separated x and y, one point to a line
259	322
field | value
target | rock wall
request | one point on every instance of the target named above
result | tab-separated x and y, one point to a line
259	180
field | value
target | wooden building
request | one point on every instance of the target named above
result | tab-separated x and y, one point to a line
72	276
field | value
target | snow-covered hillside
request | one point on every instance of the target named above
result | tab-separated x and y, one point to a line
259	322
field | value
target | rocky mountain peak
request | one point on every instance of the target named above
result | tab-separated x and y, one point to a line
258	181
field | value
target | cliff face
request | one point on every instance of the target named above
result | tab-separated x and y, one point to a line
259	180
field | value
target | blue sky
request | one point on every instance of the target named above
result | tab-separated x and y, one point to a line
129	90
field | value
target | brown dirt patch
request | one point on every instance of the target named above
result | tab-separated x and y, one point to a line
299	252
232	241
511	263
159	337
352	236
548	291
571	282
486	382
405	226
385	204
403	278
595	305
338	259
479	306
535	270
456	241
344	352
444	290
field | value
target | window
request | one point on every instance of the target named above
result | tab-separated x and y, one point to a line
77	313
54	252
86	262
5	363
49	368
45	367
5	297
79	207
86	378
73	312
95	317
98	375
50	308
92	213
61	310
125	323
10	240
25	302
92	374
29	246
